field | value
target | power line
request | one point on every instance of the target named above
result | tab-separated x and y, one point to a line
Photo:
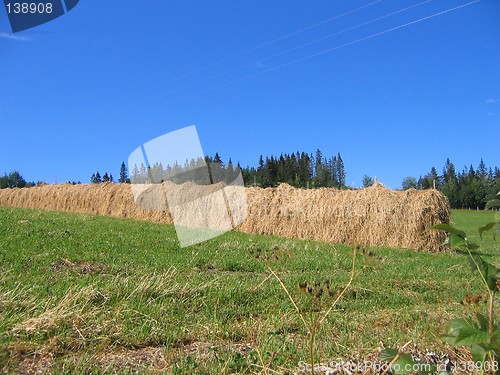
276	40
273	41
340	46
298	47
371	36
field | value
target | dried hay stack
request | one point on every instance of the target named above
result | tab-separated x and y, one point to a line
106	199
375	216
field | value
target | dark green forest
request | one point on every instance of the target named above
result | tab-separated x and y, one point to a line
469	188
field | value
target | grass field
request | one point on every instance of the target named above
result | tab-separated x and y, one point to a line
88	294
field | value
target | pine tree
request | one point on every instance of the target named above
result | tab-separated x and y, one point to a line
143	175
340	171
334	172
217	158
230	174
135	175
123	174
367	181
450	186
482	171
105	177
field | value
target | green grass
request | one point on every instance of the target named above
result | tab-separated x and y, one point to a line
81	293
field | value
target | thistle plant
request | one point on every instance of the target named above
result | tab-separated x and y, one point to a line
323	298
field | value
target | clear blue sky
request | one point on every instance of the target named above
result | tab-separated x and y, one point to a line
80	93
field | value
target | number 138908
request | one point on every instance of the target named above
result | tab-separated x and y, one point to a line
29	8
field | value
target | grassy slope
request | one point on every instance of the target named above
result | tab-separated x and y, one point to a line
77	289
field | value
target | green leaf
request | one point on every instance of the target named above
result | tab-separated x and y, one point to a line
472	335
388	354
490	273
403	365
427	369
492	203
455	325
448	228
464	332
452	340
478	353
473	246
483	322
485	228
457	241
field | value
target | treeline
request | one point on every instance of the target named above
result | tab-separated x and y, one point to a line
13	180
297	169
469	188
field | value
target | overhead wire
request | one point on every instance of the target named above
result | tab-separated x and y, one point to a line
268	43
328	50
246	65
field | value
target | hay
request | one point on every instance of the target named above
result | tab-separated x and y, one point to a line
375	216
106	199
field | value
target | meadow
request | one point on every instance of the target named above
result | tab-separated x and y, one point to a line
88	294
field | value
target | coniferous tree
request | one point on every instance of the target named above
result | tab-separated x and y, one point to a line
367	181
13	180
450	186
143	174
135	177
340	171
123	174
334	171
95	178
217	158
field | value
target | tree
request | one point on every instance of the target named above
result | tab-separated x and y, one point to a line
123	174
217	158
482	171
430	180
12	180
105	177
449	172
409	182
367	181
230	173
340	171
135	175
334	172
96	178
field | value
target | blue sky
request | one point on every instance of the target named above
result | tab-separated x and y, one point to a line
80	93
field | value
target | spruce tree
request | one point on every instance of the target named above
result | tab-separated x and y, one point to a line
123	174
340	171
367	181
